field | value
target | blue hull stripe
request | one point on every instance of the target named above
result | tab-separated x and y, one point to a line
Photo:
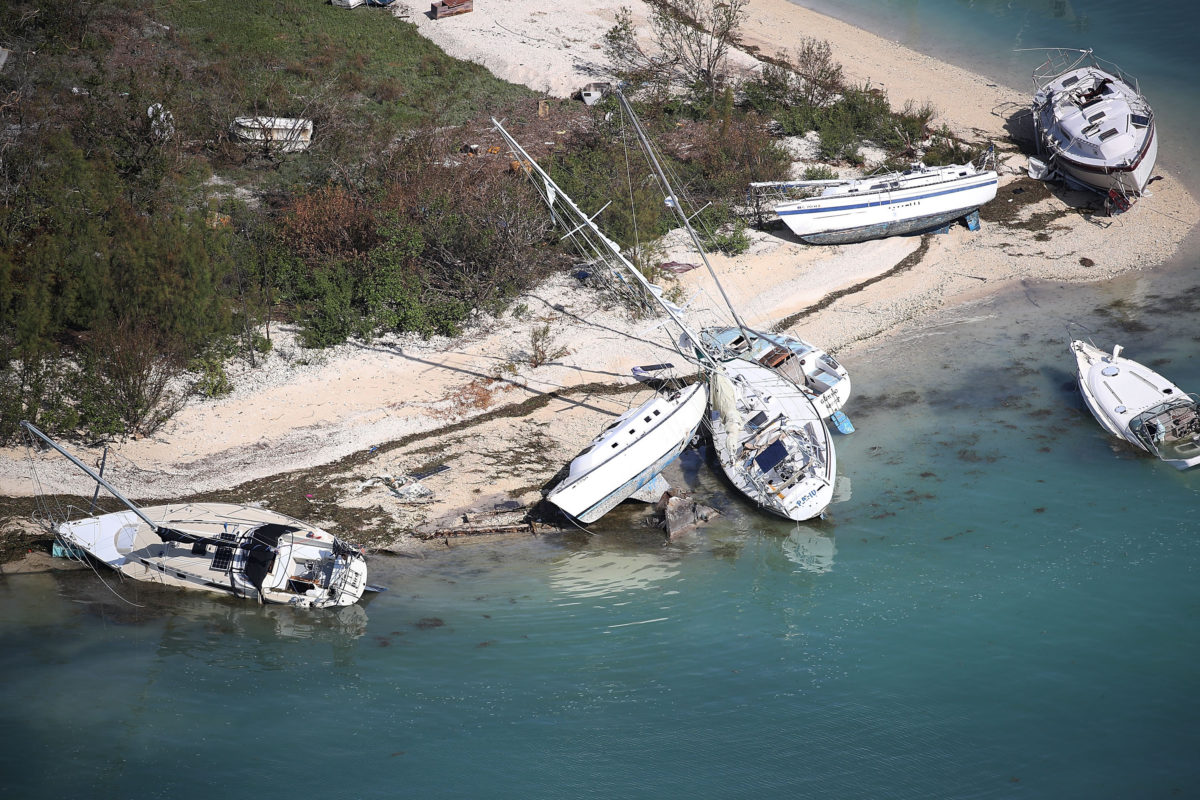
879	203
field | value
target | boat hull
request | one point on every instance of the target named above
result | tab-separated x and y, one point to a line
1096	127
1136	404
124	542
590	492
799	486
1122	180
900	205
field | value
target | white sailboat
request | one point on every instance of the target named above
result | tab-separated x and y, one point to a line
815	372
1094	123
782	456
626	459
890	204
1135	403
768	435
223	548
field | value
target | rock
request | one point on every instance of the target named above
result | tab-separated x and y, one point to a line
681	513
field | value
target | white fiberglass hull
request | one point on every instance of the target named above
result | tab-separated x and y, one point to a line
771	442
299	565
1135	403
630	454
1098	130
889	205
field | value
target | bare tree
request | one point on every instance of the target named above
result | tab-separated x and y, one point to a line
692	40
821	78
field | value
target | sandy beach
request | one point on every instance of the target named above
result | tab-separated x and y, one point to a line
366	413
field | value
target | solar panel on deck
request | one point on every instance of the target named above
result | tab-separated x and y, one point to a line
770	458
222	558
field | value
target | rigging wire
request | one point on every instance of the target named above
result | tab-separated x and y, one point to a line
50	513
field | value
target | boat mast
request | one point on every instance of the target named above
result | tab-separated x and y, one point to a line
100	481
673	202
553	191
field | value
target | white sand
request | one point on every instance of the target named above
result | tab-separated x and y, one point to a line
286	416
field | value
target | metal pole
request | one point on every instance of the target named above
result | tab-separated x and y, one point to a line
129	503
673	202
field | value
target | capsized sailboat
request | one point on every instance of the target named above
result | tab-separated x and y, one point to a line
768	435
223	548
1135	403
626	459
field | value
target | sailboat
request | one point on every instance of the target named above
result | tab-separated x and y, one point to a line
769	437
627	458
845	211
223	548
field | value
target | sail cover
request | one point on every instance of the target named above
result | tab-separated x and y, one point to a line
723	397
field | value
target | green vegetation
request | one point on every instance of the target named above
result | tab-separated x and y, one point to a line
809	93
141	244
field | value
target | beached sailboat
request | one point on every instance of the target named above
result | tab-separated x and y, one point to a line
1137	404
223	548
626	459
768	435
1094	124
795	479
895	203
815	372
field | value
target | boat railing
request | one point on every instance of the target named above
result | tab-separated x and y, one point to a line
1060	60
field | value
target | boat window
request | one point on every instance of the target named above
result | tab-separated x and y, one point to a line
1071	81
878	186
656	412
1139	120
1108	134
632	431
647	419
615	444
1096	117
1090	129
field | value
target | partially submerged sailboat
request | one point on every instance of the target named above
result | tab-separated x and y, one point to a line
223	548
1137	404
1094	124
626	459
895	203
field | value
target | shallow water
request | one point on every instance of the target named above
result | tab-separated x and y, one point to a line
1002	603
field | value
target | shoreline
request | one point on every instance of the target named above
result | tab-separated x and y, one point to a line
341	413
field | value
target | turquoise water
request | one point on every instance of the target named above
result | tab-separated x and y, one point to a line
1003	603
